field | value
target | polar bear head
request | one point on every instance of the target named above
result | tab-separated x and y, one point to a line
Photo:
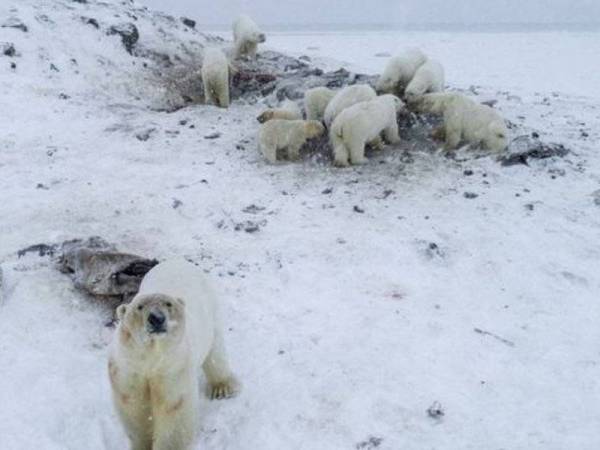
394	100
387	83
497	138
149	318
313	129
433	103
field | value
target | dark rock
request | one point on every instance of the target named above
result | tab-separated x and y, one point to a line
176	203
253	209
13	65
188	22
13	22
40	249
369	444
80	1
63	96
249	226
54	68
214	135
470	195
327	191
129	35
435	411
358	209
90	21
468	172
8	49
145	135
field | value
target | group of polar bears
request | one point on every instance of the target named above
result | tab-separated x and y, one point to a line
356	115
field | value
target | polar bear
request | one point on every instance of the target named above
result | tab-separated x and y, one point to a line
287	134
215	77
428	78
246	37
466	120
289	110
399	71
165	337
315	102
362	123
345	98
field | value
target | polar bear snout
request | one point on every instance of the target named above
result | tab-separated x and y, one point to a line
156	321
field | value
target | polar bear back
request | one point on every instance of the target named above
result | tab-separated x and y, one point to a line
178	278
428	78
316	101
399	71
345	98
365	120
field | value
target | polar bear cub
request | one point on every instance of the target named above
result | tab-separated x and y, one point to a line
362	123
346	97
246	37
428	78
289	110
215	77
399	71
466	120
287	134
315	102
166	336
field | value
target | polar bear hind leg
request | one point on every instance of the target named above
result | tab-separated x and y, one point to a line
357	153
221	382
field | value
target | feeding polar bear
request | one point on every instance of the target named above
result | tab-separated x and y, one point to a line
346	97
246	37
165	337
466	120
429	78
287	134
362	123
289	110
215	77
399	71
315	102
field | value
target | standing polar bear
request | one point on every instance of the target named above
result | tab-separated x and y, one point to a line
287	134
428	78
466	120
399	71
165	337
246	37
215	77
345	98
315	102
362	123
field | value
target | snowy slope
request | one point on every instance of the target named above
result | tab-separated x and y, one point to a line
353	307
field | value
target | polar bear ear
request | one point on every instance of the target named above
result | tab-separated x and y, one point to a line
121	310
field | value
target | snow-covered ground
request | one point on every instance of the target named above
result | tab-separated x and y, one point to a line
366	295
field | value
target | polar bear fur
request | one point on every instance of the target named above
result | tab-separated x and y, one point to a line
359	124
315	102
287	134
246	37
399	71
428	78
346	97
466	120
289	110
215	77
165	337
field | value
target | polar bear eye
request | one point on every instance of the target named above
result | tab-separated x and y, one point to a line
140	307
169	304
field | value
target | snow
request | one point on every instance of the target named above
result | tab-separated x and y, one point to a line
344	326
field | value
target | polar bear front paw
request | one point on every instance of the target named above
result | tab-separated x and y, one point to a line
223	389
